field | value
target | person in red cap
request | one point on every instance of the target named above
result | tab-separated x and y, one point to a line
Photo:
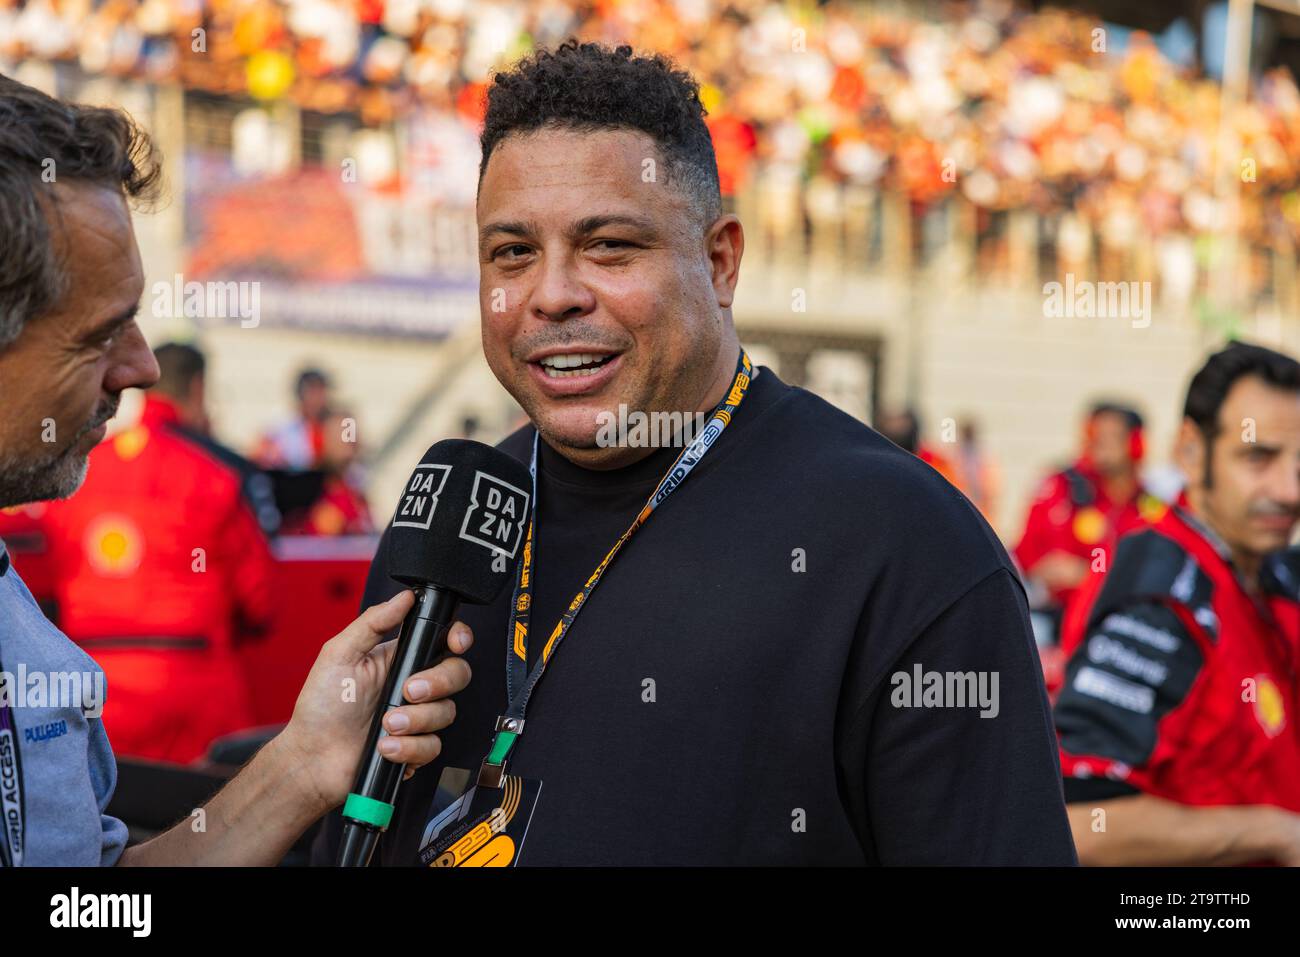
1078	511
162	566
1177	720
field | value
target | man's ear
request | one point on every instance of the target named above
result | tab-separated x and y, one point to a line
1190	452
725	244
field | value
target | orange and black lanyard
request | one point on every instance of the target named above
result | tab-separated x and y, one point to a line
520	683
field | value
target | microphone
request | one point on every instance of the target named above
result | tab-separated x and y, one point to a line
455	536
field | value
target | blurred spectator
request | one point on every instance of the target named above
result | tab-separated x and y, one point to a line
469	427
1079	511
903	428
183	385
341	508
977	473
161	568
183	390
297	443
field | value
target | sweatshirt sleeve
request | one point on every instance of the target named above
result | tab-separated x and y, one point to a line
951	758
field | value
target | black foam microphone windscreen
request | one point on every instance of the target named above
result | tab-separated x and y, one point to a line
455	536
460	521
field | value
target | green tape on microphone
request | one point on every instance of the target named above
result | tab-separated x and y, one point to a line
366	810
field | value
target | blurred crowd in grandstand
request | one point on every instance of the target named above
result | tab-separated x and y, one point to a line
1106	140
1026	109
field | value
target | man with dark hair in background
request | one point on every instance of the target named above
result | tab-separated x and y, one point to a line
726	622
182	384
1177	720
161	568
182	389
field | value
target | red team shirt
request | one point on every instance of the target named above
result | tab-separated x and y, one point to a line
1183	685
1071	513
341	509
161	565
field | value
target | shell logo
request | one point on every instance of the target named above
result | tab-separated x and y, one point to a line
1151	508
1089	526
329	519
1270	710
113	545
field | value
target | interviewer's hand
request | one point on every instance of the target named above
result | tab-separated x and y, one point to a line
338	700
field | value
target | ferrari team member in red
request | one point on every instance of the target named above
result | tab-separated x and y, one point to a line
1084	507
161	567
1180	742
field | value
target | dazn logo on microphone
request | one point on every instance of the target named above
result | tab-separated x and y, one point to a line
496	515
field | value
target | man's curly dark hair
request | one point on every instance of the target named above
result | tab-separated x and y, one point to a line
588	87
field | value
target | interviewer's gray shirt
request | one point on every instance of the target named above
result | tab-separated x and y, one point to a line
68	770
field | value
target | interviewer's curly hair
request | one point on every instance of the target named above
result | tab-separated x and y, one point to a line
44	141
588	87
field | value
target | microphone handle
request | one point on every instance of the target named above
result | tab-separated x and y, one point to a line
368	808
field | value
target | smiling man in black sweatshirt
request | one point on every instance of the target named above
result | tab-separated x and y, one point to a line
777	639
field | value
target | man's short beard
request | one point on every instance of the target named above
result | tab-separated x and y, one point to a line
23	481
58	477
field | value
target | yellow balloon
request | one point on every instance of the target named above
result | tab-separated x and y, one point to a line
270	74
711	97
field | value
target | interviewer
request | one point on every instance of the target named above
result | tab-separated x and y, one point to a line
70	284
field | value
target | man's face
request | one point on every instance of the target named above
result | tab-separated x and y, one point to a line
315	397
580	256
1253	499
1108	444
339	445
61	379
899	428
196	402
